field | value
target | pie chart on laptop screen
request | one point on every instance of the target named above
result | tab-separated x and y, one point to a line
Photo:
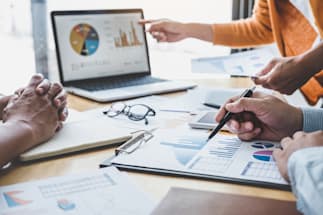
84	39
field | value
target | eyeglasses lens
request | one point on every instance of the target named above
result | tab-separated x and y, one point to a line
138	112
116	109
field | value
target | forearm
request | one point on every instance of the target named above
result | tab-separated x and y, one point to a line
199	31
312	59
15	139
304	170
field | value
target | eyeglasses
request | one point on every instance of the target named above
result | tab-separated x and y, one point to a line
134	112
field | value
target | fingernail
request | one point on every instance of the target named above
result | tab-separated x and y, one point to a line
58	102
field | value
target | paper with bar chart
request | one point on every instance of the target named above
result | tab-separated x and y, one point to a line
99	192
223	156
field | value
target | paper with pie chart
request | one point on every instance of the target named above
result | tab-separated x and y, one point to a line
187	151
98	192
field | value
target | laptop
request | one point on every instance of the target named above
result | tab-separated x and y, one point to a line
103	55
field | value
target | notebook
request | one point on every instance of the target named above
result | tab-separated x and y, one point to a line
103	55
80	135
192	202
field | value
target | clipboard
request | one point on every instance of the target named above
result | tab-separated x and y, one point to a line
137	141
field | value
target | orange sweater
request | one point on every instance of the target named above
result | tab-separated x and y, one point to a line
277	21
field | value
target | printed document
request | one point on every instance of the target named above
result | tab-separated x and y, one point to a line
223	156
104	191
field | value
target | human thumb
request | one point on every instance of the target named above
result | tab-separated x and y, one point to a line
260	80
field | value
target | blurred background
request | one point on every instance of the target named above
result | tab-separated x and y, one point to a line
27	41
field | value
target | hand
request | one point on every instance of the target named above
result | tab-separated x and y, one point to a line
164	30
3	103
289	145
262	117
284	75
40	113
41	89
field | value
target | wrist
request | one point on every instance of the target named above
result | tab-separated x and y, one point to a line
23	131
198	31
306	63
298	126
187	29
311	60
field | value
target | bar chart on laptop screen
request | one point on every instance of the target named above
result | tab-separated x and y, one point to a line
127	38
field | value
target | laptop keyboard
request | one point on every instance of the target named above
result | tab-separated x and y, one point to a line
119	82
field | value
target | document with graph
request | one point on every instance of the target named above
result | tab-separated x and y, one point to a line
223	157
105	191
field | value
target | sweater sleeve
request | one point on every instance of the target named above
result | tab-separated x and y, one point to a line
312	119
249	32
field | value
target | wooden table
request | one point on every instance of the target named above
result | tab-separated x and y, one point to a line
155	185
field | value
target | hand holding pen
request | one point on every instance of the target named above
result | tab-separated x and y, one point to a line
228	115
261	117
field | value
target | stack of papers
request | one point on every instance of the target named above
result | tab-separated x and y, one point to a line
104	191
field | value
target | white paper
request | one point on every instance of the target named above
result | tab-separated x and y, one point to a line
162	119
104	191
225	156
241	64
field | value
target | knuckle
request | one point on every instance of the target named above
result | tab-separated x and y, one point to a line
63	97
274	61
57	86
299	133
28	93
241	102
45	83
37	77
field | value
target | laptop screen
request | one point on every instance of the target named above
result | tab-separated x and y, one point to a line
96	44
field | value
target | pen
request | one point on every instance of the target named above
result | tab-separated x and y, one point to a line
227	116
212	105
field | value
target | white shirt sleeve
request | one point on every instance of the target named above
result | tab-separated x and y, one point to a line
305	170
